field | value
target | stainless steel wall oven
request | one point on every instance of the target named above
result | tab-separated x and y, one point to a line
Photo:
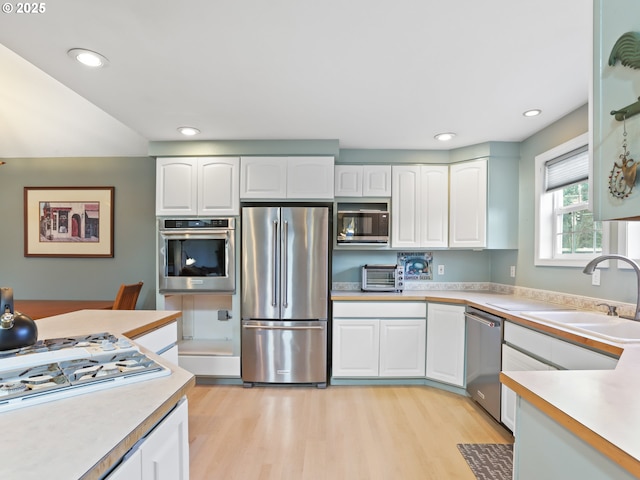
196	255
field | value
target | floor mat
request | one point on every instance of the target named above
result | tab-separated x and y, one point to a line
489	461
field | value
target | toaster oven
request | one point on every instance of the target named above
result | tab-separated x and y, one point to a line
382	278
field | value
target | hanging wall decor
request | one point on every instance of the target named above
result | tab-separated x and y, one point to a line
627	50
623	175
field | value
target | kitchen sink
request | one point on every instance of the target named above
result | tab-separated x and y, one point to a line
596	324
621	330
567	317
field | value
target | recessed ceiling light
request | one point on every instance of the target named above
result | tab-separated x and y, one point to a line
188	131
88	58
532	113
445	137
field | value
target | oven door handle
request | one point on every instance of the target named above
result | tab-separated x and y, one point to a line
487	323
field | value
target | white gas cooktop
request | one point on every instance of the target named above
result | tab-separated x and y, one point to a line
64	367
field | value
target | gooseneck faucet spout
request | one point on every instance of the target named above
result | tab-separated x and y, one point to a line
591	266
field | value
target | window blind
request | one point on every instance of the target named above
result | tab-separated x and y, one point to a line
567	169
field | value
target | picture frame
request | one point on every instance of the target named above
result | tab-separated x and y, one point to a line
68	221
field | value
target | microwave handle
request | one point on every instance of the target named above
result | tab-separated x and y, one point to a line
274	266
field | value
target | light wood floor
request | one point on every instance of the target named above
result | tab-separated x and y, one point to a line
386	433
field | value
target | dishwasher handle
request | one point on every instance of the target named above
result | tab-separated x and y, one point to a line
484	321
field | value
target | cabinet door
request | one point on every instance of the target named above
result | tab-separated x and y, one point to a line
445	343
129	469
356	345
514	361
348	181
176	186
165	451
434	206
263	177
376	181
310	178
468	204
402	348
405	214
218	186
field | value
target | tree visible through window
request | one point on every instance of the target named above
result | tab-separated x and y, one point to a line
566	233
576	231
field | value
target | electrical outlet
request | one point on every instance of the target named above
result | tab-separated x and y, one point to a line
512	271
440	269
595	277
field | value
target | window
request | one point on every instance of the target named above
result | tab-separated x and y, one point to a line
629	242
566	233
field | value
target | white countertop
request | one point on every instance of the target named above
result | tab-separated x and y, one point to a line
81	436
601	407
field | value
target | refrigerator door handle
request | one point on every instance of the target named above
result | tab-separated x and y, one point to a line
285	264
274	266
279	327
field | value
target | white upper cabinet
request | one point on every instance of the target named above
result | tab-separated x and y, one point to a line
218	186
468	203
419	206
287	178
363	180
310	178
197	186
263	177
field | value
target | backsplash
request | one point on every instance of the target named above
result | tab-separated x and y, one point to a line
573	301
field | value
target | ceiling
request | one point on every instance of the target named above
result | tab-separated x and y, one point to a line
370	73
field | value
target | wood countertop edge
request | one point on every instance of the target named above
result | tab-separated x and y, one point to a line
119	451
143	330
610	450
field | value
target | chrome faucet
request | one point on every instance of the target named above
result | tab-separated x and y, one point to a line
591	266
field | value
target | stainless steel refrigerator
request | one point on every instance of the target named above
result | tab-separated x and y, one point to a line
285	278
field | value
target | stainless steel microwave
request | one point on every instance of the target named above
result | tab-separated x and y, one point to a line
363	226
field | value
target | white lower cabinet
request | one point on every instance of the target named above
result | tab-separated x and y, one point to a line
445	343
163	454
162	341
515	361
378	339
523	344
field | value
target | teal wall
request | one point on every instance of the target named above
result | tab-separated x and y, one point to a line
135	238
81	278
460	265
615	284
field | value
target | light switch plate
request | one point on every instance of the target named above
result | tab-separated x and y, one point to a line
595	277
440	269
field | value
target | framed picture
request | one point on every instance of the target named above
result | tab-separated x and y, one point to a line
68	221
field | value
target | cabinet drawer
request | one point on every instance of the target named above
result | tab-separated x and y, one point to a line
574	357
380	309
527	340
516	361
158	340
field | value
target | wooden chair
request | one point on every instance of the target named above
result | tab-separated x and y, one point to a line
127	296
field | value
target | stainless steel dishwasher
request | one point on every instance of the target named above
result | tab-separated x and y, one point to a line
484	338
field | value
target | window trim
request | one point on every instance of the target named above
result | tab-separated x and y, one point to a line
543	249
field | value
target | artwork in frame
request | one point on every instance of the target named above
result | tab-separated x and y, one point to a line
68	221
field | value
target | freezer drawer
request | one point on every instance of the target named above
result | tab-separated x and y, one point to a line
284	352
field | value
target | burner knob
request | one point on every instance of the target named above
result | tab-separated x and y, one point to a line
107	345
